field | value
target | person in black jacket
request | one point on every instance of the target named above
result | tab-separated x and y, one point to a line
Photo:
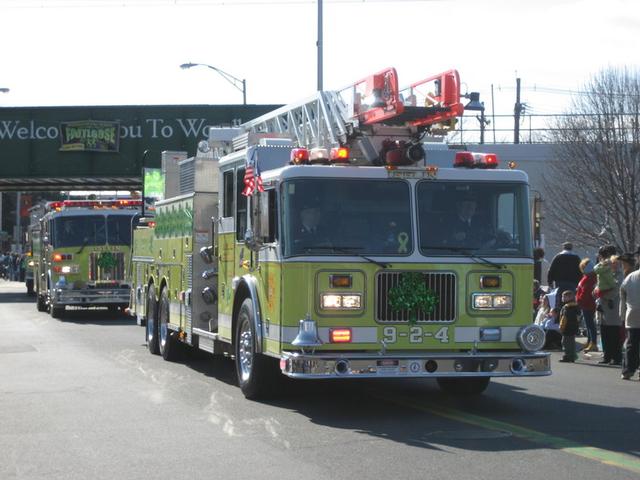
569	322
564	271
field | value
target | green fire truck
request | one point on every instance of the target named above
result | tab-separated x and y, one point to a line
318	242
82	252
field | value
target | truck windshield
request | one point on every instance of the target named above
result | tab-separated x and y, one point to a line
481	218
79	230
330	216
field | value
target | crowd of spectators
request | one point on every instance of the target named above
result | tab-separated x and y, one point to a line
591	297
13	266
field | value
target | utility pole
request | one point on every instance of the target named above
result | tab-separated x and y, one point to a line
493	115
517	109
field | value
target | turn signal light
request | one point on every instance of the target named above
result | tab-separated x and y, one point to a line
340	335
56	257
340	281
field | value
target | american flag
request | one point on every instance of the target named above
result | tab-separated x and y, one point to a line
252	179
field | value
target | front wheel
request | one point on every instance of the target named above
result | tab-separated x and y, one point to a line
167	341
254	370
56	311
41	303
151	330
464	386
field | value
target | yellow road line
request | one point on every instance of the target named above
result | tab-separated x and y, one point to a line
606	457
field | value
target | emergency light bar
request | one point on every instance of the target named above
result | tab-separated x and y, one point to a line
120	203
303	156
475	160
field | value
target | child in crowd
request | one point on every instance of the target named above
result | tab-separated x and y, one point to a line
547	318
606	280
569	322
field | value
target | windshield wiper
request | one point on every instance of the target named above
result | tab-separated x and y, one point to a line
465	251
84	244
349	251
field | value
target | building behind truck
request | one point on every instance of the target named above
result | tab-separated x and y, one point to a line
82	253
381	290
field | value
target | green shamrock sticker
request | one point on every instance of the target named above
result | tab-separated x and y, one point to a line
412	294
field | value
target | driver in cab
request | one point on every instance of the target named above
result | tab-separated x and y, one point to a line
467	228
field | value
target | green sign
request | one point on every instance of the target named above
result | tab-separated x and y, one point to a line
153	183
90	136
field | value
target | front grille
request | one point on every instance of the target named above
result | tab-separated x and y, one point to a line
442	284
106	266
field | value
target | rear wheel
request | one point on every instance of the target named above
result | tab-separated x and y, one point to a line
464	386
152	322
166	340
255	371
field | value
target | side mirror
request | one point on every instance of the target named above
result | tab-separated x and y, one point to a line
254	236
206	253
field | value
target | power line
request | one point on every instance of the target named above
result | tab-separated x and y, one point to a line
16	4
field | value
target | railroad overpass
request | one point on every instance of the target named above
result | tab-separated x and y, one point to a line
47	149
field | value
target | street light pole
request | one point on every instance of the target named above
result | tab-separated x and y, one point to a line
235	81
319	45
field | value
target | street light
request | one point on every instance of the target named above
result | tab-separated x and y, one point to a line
227	76
477	105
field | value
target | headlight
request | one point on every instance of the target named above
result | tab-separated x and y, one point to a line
491	301
70	269
531	338
31	263
336	301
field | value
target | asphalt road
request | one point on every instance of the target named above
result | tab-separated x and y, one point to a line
81	398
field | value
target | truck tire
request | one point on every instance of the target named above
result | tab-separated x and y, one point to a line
464	386
167	341
151	330
56	311
255	371
41	304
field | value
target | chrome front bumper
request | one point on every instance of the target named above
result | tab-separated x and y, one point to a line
453	364
92	297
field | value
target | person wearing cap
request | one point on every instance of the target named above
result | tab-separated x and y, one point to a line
586	302
465	228
310	232
630	312
564	271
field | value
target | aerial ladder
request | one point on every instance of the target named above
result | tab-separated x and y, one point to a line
373	117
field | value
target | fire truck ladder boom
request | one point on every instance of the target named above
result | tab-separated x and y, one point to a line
373	106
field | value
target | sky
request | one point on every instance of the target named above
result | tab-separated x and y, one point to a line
128	52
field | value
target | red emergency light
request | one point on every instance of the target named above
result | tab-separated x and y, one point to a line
120	203
299	156
475	160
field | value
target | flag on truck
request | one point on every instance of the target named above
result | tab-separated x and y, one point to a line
252	177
